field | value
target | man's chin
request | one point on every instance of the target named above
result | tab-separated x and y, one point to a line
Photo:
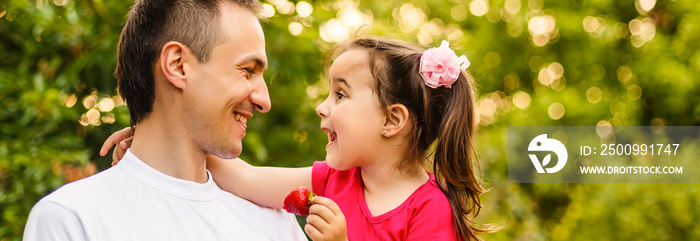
226	154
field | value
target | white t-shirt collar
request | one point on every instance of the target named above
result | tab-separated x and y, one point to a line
190	190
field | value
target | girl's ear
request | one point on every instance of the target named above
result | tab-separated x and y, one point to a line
173	57
396	119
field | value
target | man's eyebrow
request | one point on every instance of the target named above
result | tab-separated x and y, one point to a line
257	61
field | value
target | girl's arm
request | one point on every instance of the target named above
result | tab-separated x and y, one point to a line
265	186
268	186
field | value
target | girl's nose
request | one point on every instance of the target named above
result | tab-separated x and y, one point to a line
322	109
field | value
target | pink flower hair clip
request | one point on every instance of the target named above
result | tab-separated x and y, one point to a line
441	67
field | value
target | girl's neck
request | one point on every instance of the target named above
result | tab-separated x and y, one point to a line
381	176
386	187
383	173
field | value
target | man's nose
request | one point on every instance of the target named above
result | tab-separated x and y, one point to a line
260	96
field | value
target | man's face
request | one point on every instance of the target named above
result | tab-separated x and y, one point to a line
225	91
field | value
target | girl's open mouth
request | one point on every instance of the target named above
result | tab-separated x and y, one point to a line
331	136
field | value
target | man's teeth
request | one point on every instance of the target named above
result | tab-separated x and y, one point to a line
240	118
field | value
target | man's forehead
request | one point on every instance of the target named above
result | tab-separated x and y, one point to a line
244	38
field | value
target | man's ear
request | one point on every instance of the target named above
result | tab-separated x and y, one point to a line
173	57
396	119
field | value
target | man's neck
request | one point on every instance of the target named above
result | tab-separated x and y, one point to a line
166	148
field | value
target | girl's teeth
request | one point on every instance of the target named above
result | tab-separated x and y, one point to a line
331	135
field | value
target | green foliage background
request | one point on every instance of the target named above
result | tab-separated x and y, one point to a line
603	62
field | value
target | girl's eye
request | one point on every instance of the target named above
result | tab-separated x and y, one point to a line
340	95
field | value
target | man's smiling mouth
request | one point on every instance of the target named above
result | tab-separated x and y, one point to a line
241	119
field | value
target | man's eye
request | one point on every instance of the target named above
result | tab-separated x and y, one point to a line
250	71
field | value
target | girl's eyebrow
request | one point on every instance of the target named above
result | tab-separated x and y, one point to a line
341	80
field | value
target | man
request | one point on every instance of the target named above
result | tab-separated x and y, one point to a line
191	74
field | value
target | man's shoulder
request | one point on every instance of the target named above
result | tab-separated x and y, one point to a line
59	215
118	204
74	194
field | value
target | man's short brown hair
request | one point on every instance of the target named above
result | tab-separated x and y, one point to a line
151	24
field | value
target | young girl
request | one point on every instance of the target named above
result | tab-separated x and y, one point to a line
393	110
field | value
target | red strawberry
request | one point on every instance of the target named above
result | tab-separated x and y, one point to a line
298	201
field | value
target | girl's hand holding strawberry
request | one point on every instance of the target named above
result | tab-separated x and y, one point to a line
325	220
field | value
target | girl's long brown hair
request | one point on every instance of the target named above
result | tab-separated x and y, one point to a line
441	116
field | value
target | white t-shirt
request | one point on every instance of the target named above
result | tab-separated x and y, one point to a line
132	201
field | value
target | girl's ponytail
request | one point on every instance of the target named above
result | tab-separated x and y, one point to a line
455	155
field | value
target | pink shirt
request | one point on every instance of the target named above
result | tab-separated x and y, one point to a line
425	215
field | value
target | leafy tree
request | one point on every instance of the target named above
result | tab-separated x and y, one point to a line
536	63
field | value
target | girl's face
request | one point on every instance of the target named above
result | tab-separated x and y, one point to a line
351	116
